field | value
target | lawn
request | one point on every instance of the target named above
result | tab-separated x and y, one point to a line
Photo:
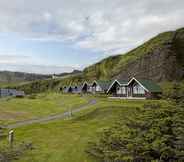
66	140
18	109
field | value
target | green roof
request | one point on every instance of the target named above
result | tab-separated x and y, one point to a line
122	81
104	84
150	85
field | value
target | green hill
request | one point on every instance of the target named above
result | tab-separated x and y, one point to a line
12	78
159	59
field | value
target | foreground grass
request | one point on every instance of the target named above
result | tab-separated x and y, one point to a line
18	109
66	141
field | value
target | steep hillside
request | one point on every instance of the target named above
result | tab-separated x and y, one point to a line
159	59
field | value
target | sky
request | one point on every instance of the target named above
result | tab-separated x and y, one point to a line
55	36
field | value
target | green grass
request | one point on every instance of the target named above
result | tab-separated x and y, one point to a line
67	140
16	109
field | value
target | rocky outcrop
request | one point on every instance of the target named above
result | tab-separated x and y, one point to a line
165	63
159	59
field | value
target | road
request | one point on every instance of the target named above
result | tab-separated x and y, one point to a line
51	117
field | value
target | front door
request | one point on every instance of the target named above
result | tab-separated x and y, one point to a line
129	92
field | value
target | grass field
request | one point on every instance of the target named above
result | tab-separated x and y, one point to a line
66	140
17	109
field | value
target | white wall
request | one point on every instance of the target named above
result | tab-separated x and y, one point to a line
98	88
137	89
121	90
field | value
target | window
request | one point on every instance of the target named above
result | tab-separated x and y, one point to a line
121	90
118	90
137	89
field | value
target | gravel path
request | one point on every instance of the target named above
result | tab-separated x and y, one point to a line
52	117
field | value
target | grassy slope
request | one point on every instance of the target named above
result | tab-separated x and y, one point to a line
12	110
65	141
12	77
111	66
5	84
49	84
105	69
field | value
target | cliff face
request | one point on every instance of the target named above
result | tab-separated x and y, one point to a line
160	59
165	63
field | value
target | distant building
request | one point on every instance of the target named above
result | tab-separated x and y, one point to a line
54	76
11	92
86	87
20	94
73	89
4	92
133	89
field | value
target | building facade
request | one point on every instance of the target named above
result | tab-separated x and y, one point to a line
134	89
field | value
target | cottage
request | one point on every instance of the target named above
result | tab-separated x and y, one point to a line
140	89
86	87
67	89
11	92
4	92
64	89
100	86
73	89
19	94
77	89
118	88
143	89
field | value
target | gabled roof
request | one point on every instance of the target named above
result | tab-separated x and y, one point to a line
85	83
148	85
123	82
67	88
104	84
120	82
73	88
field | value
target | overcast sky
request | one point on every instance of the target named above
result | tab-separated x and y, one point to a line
53	36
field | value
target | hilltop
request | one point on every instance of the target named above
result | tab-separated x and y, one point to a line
8	78
65	75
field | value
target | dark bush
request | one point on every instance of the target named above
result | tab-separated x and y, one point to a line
153	134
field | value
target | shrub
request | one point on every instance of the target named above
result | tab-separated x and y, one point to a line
152	135
173	90
8	155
